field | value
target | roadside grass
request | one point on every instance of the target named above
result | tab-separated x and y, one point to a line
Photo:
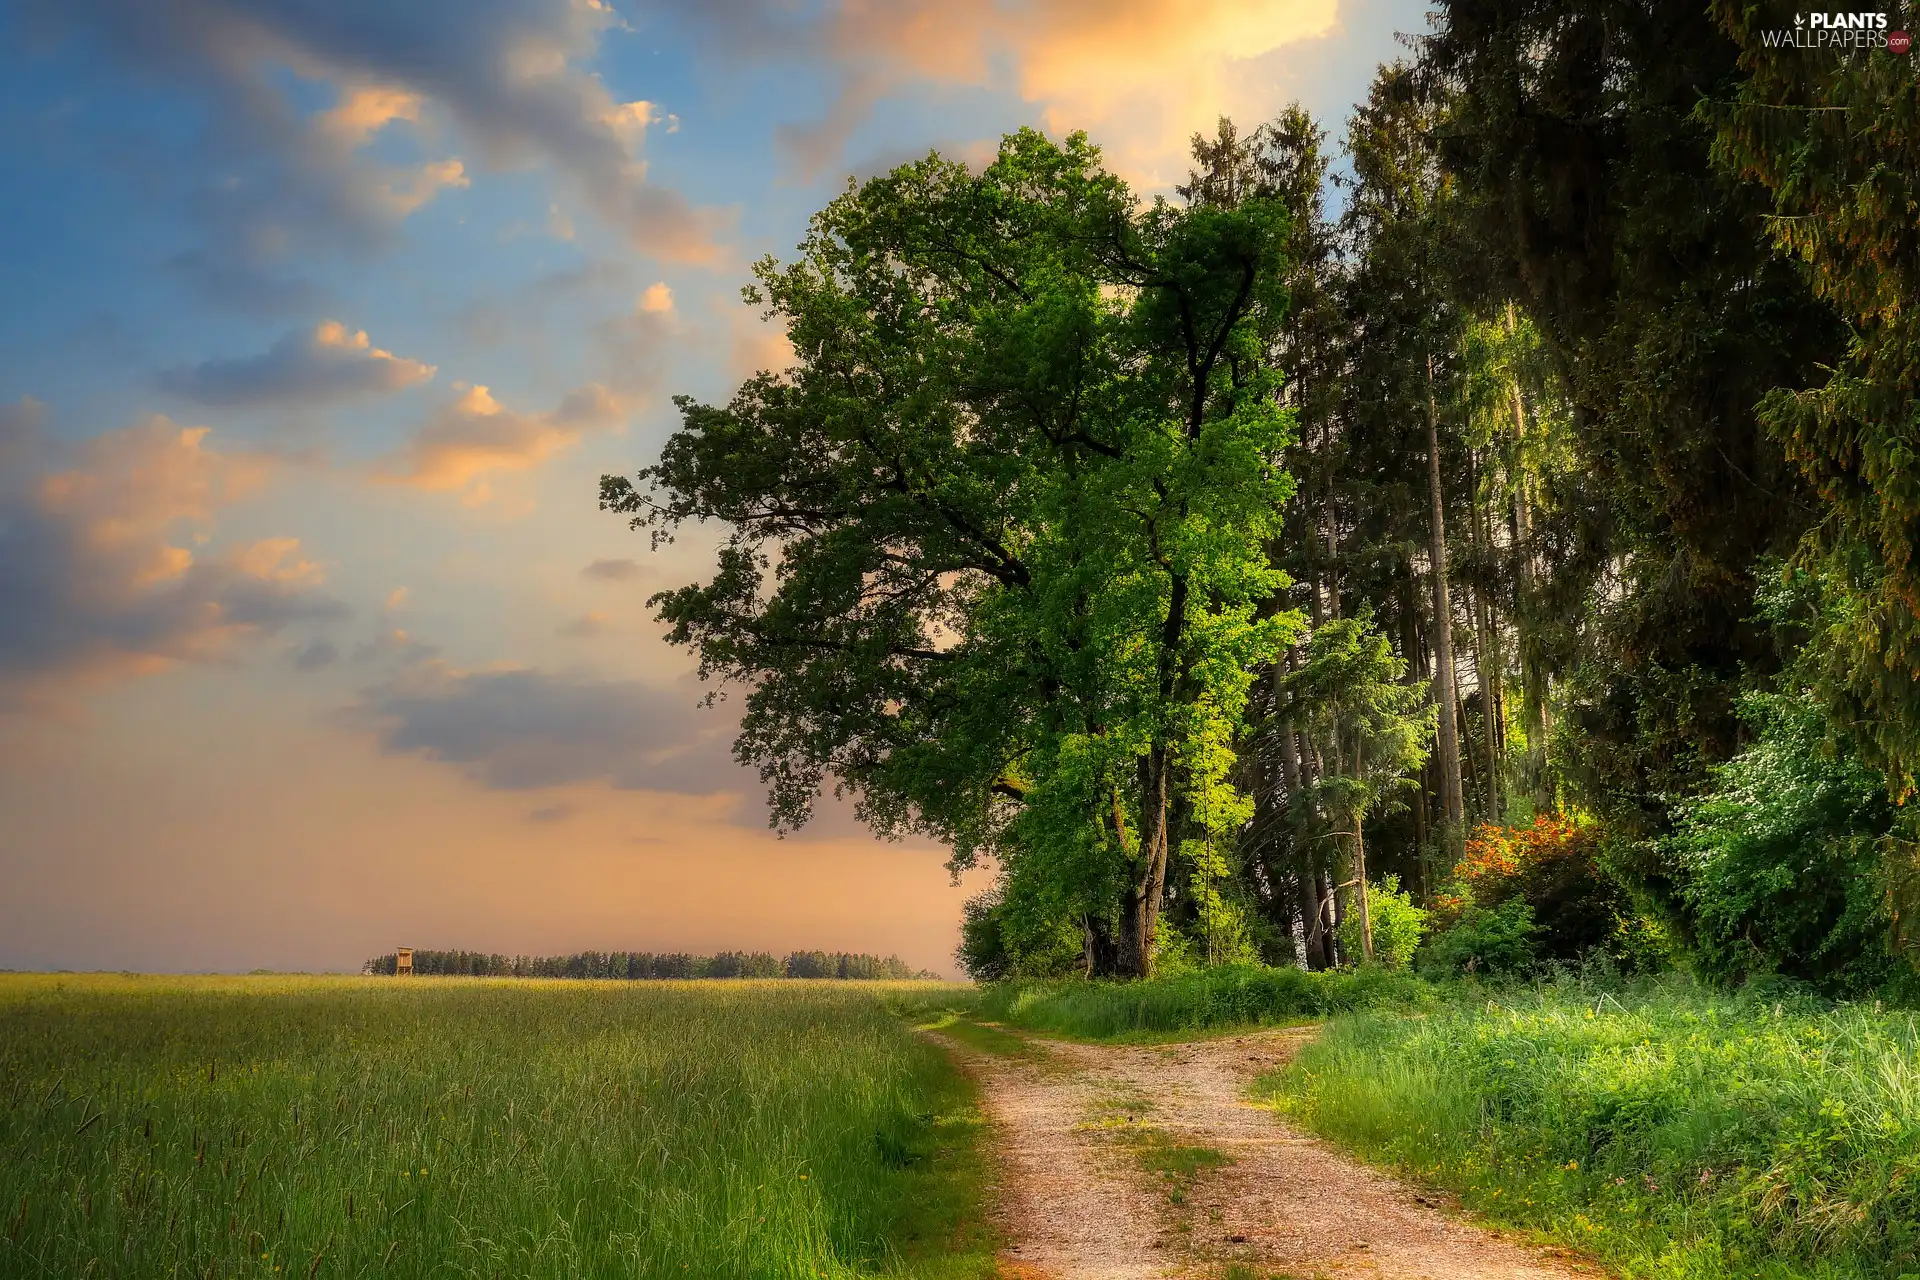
1671	1133
1208	1001
273	1127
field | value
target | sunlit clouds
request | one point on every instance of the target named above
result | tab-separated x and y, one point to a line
1141	75
109	568
474	436
328	364
323	323
657	299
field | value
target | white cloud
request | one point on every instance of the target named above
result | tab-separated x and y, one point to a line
509	78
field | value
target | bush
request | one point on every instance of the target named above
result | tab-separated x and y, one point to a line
1398	925
1552	866
1782	859
998	942
1493	942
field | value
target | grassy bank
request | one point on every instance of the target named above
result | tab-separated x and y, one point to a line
372	1127
1673	1134
1209	999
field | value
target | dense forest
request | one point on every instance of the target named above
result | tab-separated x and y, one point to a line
1483	542
636	965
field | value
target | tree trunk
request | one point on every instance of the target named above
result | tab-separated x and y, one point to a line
1485	657
1360	883
1304	902
1533	680
1142	916
1306	887
1330	898
1469	764
1452	808
1102	950
1360	860
1336	820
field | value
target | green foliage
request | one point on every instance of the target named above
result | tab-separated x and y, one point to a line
1833	142
999	939
1671	1133
996	554
1492	942
1398	925
1555	866
1585	182
1226	996
1350	689
1781	860
348	1127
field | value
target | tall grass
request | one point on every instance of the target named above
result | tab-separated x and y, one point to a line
1244	995
452	1127
1674	1133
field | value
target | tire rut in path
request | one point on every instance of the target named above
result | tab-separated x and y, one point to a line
1075	1205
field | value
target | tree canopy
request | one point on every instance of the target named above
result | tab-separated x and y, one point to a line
1541	479
996	561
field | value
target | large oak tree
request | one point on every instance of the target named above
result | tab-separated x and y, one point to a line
996	549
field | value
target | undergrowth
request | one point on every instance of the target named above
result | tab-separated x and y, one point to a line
1208	999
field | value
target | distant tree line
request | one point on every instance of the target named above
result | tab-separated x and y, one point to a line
645	964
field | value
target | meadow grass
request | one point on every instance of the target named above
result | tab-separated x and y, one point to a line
279	1127
1204	1000
1672	1133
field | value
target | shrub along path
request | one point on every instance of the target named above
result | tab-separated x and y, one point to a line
1133	1162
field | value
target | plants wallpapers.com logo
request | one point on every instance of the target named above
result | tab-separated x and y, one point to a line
1840	31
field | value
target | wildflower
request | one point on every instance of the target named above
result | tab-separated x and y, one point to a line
1573	1164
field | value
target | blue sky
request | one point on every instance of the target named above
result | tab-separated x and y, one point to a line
320	323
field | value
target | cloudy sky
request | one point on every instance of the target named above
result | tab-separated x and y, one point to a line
319	323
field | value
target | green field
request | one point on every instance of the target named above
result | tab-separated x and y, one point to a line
205	1127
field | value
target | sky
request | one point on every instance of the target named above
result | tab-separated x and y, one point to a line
319	323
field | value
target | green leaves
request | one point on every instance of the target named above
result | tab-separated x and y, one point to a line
1836	142
1000	536
1349	690
1780	859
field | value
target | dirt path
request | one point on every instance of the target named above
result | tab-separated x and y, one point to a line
1111	1170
